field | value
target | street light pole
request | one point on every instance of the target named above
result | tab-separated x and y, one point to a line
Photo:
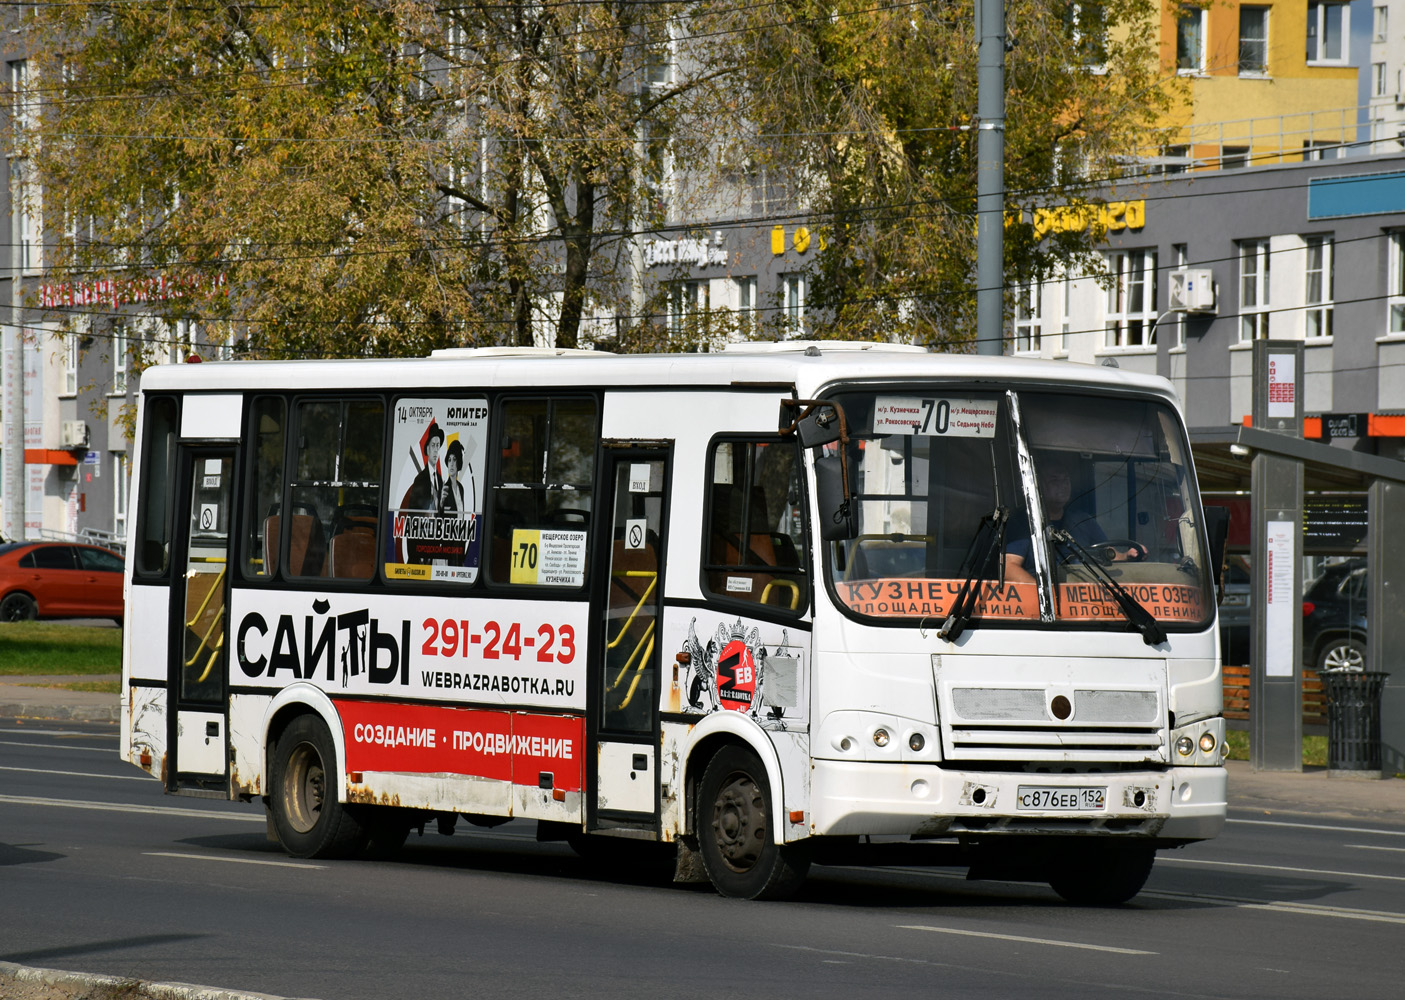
990	178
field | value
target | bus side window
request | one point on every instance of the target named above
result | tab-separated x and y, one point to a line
544	481
331	500
756	536
265	478
153	535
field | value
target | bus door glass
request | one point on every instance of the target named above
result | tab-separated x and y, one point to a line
199	651
625	719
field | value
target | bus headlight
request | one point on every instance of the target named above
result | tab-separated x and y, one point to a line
1185	746
1207	742
916	742
880	737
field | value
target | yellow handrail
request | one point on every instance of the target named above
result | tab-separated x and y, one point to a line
794	592
219	617
646	638
638	674
653	581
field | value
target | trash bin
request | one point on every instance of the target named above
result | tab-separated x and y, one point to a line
1354	721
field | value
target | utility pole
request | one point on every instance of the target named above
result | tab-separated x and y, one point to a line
990	178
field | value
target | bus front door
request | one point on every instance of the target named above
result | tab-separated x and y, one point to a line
623	772
198	676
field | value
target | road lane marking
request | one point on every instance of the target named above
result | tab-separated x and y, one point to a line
28	731
1278	868
1372	847
236	861
80	774
1024	940
1320	826
30	800
1309	909
53	746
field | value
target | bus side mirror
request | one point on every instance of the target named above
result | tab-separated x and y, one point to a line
837	520
819	428
1217	531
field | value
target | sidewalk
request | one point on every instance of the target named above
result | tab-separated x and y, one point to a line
1308	792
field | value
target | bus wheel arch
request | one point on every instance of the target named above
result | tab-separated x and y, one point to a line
303	786
737	825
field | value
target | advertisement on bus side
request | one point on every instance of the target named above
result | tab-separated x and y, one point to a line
488	652
435	500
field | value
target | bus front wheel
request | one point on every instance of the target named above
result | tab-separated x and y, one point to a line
1088	876
307	817
736	832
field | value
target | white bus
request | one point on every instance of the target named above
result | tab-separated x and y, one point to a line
779	604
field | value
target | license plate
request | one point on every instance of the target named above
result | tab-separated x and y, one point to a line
1062	799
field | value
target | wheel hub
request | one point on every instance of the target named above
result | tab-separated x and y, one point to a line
739	823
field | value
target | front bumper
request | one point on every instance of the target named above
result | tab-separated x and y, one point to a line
856	798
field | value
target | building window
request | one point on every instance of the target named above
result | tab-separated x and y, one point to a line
793	301
1319	149
1378	78
1395	304
1328	26
1029	322
1087	30
688	303
1319	286
1131	299
1190	40
72	345
1253	41
1064	320
120	360
746	303
1234	157
1382	24
1175	159
1253	290
121	476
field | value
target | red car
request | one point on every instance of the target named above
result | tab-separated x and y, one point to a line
59	580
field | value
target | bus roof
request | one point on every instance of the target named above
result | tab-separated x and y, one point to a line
807	365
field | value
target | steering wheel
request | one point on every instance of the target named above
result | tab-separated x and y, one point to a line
1106	550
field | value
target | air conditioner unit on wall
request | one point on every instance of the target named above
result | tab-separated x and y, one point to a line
73	434
1193	291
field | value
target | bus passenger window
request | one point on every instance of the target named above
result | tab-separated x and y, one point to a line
756	536
153	535
261	522
334	495
541	496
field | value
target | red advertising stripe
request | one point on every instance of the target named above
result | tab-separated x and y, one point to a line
431	739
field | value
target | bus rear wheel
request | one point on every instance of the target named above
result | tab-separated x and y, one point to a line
307	817
736	835
1089	876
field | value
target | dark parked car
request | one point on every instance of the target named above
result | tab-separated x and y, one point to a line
1334	617
59	580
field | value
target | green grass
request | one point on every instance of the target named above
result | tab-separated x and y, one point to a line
1314	748
30	648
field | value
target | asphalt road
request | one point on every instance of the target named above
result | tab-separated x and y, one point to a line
101	873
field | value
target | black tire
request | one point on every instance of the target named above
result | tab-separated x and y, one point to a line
387	828
1101	875
307	817
18	608
736	831
1342	653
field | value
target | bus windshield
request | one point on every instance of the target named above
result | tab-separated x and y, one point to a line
1038	505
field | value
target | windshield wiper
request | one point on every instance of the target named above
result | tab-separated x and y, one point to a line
969	593
1140	617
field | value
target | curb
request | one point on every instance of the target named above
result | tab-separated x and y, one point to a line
61	713
160	991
